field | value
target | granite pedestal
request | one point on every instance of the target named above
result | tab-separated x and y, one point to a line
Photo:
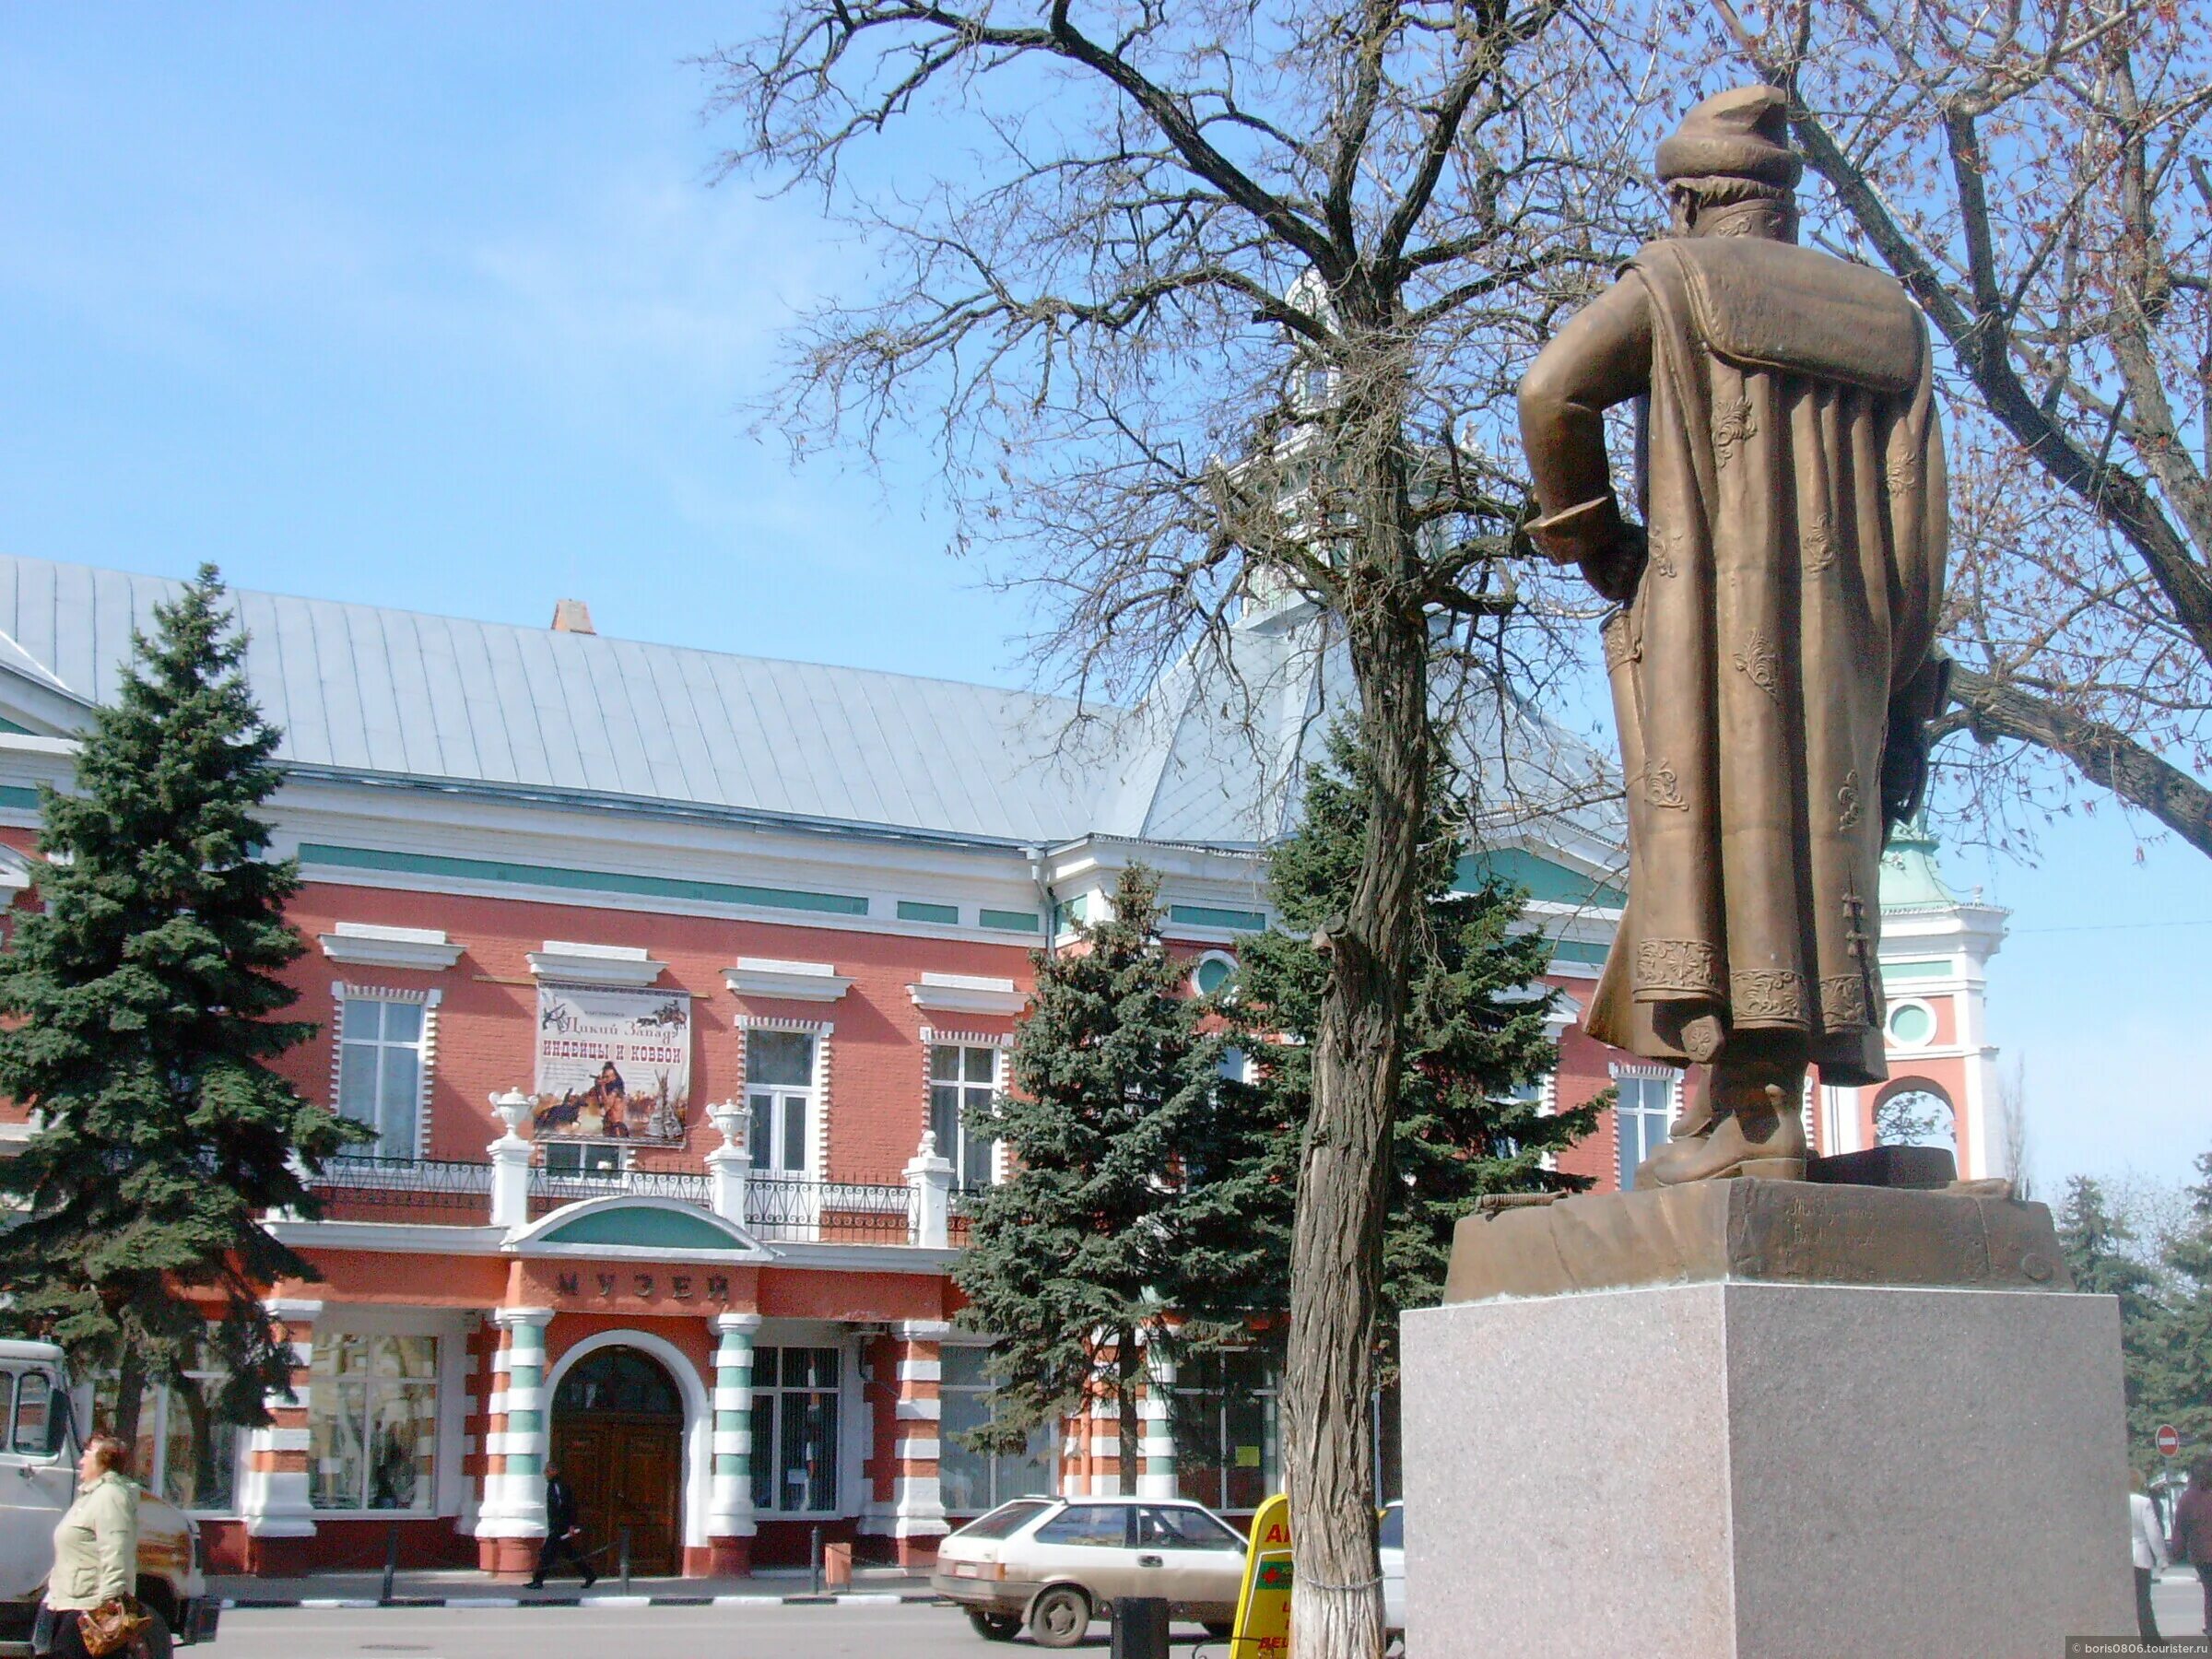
1733	1468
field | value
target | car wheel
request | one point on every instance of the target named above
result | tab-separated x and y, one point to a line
993	1627
154	1641
1059	1616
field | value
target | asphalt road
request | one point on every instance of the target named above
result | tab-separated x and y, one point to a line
858	1631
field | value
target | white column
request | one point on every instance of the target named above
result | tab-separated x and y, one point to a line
917	1489
929	1212
730	1493
1156	1428
730	1165
514	1484
510	1163
274	1502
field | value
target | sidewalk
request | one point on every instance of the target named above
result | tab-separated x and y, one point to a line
462	1587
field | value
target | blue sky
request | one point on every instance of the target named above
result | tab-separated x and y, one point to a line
432	306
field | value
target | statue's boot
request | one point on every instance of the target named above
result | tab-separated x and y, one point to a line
1764	1140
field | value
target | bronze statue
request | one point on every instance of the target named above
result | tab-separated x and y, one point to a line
1772	653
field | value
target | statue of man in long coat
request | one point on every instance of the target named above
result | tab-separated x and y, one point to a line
1773	657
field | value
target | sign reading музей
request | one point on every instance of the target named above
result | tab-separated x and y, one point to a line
612	1066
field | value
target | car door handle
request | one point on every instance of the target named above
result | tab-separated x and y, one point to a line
1148	1561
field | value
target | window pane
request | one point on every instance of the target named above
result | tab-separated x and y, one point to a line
35	1415
944	1063
404	1447
196	1473
963	1366
399	1103
794	1133
337	1415
403	1022
982	1065
764	1442
964	1476
1101	1525
945	1118
364	1019
356	1083
780	1057
764	1110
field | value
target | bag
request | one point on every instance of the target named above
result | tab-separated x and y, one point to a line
113	1625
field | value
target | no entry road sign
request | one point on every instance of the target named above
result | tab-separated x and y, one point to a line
2169	1440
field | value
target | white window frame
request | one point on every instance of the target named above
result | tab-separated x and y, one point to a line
765	1455
815	1093
1624	1171
157	1403
931	1041
342	993
442	1387
945	1389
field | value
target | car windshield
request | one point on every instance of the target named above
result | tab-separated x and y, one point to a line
1004	1521
1391	1534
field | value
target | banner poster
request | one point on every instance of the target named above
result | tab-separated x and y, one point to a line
612	1066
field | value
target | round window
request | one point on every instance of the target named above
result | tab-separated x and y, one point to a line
1911	1023
1212	973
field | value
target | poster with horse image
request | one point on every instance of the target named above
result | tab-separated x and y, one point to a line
612	1066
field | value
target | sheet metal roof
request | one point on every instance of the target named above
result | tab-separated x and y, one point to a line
1212	755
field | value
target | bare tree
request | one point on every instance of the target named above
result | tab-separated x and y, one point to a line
1199	304
2035	174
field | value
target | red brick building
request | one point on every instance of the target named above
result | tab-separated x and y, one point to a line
663	978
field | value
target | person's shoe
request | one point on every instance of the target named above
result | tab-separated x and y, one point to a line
537	1584
1767	1144
590	1579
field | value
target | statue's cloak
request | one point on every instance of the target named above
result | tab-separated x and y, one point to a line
1796	506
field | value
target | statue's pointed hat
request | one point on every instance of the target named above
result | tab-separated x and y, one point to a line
1740	134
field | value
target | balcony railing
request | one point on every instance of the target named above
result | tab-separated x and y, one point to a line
438	1190
778	1210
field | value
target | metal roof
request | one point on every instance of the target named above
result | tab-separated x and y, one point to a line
1213	754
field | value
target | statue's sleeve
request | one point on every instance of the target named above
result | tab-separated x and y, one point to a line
1603	357
1920	540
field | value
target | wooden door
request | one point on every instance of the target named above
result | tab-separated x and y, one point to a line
626	1471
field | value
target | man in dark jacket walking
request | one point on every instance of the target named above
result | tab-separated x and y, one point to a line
561	1533
2192	1529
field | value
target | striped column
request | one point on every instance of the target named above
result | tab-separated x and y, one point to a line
514	1516
730	1525
917	1494
1156	1428
275	1503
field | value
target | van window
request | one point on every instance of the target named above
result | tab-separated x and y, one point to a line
37	1421
8	1395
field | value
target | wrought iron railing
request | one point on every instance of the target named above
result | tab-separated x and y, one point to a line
550	1189
445	1190
781	1211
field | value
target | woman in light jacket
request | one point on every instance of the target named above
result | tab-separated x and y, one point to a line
95	1549
2150	1556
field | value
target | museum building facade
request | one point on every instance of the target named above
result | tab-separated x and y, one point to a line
667	983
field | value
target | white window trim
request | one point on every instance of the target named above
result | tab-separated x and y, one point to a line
1002	1043
853	1421
791	982
570	962
1890	1037
371	945
966	993
1226	958
152	1480
820	1030
340	991
449	1487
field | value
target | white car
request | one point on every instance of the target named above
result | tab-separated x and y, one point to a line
1054	1564
1390	1541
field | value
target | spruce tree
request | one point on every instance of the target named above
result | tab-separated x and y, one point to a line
141	999
1082	1248
2178	1377
1467	1121
2095	1244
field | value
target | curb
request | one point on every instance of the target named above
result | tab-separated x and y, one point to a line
859	1598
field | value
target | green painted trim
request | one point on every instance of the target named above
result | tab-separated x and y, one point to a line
1545	881
525	1463
1911	971
604	881
525	1422
1010	921
10	727
1208	915
638	1224
730	1463
911	910
1577	950
18	798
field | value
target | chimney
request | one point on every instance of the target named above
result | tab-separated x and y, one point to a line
572	616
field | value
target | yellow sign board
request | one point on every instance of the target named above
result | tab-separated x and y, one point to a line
1263	1629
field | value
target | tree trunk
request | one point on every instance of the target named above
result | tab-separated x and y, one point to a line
1336	1250
1128	1367
130	1390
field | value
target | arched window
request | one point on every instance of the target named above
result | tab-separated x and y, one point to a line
618	1379
1914	1112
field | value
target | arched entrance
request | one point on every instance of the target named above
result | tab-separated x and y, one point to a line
618	1438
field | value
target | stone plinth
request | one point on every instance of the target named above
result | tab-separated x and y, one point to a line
1732	1470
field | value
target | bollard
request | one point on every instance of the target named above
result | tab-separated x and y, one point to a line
1140	1627
624	1537
814	1553
384	1595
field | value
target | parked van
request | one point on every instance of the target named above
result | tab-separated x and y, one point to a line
38	1449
